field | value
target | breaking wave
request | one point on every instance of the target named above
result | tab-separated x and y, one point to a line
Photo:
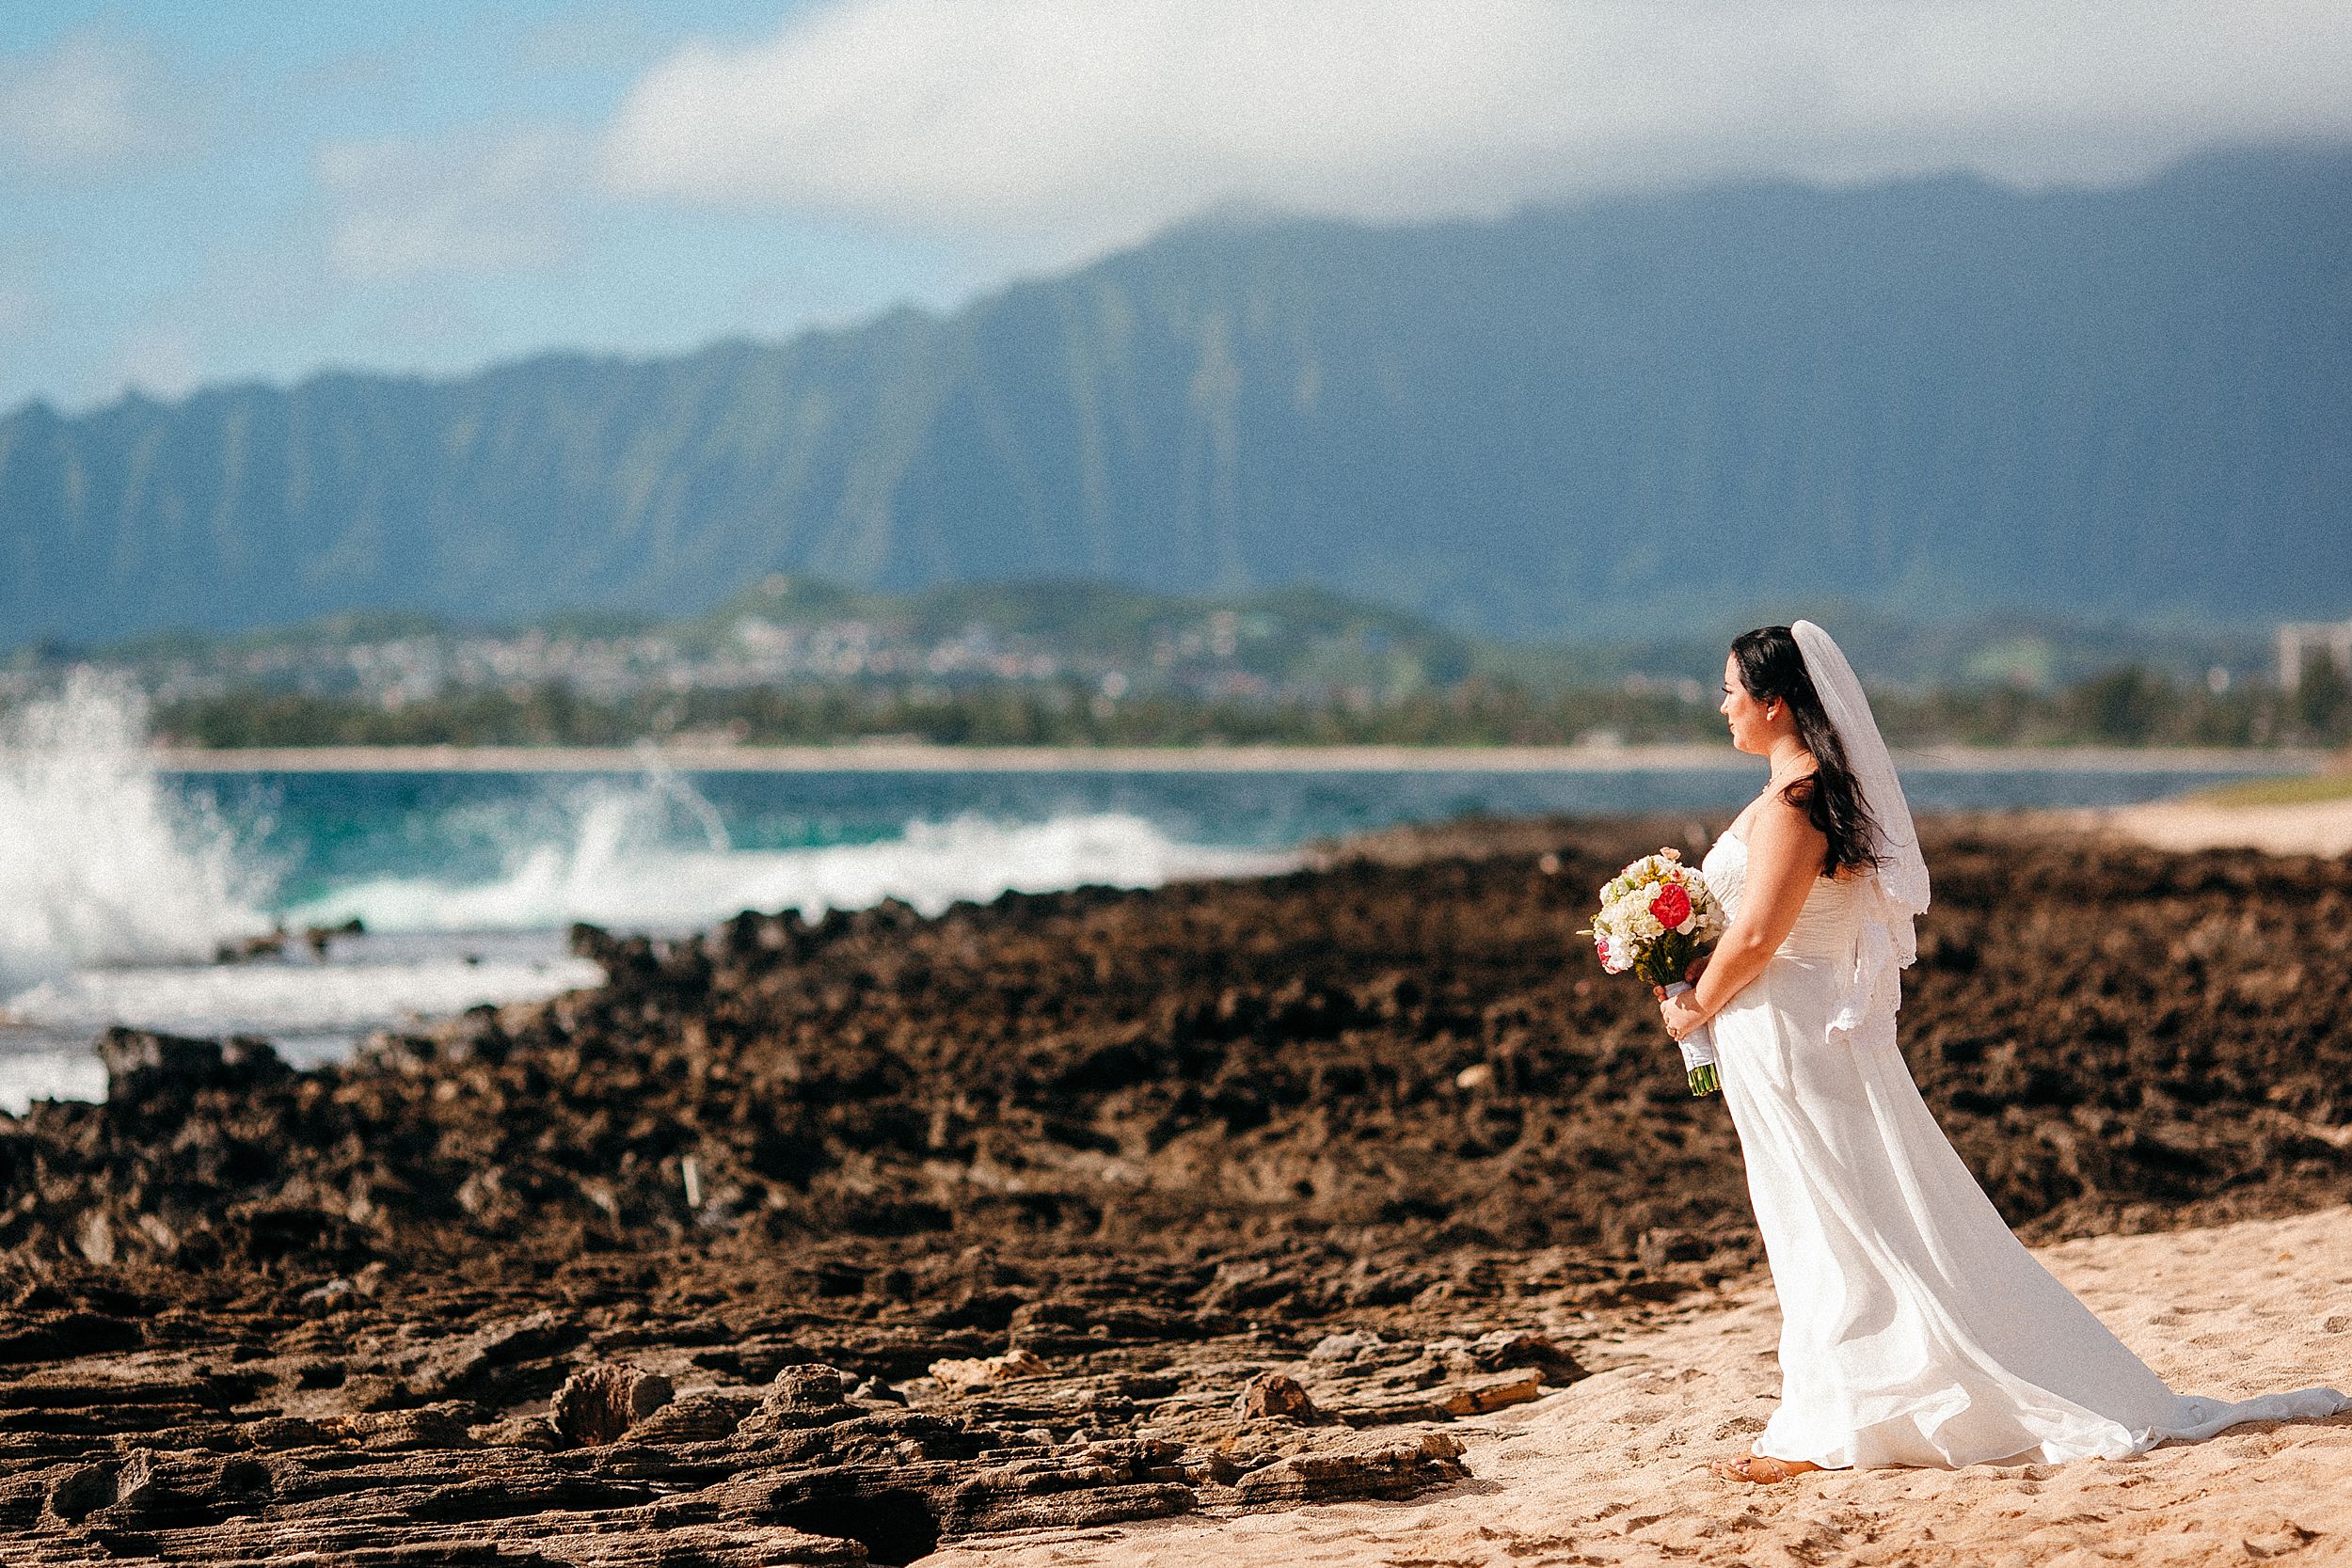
624	863
101	862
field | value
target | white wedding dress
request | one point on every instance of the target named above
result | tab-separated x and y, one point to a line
1917	1328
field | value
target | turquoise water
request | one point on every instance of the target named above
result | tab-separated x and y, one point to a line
125	880
515	850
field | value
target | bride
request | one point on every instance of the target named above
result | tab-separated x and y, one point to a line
1915	1328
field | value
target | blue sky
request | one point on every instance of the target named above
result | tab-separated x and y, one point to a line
224	231
191	194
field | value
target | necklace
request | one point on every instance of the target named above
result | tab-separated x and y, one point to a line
1780	776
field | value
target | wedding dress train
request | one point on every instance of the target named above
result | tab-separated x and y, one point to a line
1917	1328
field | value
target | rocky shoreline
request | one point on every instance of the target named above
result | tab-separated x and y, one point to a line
828	1242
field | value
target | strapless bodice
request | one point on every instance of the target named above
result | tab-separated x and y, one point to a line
1825	927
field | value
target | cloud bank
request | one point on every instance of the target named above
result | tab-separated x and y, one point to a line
92	103
1071	123
484	200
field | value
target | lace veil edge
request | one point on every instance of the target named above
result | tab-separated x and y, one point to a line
1901	875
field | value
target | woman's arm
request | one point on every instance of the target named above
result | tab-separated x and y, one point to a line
1785	855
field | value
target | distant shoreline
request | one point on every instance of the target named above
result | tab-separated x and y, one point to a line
905	758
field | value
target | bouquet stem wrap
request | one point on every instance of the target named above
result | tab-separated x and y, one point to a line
1698	1050
1656	917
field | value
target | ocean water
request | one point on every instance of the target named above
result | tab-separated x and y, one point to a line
119	882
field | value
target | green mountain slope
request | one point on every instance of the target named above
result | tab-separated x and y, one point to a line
1930	397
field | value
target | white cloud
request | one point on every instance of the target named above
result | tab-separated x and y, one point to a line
91	102
481	201
1068	124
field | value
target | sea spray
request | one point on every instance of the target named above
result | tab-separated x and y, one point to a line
101	864
666	782
626	863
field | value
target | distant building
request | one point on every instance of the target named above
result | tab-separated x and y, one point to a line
2299	640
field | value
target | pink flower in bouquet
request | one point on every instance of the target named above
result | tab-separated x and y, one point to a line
1655	918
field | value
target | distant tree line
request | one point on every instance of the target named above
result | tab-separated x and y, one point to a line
2125	706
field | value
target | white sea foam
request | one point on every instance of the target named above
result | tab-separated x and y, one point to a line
273	998
312	1011
115	890
618	869
50	1072
99	863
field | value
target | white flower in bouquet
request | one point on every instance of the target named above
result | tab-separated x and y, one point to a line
1656	916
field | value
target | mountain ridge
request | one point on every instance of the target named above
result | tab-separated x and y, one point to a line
1930	395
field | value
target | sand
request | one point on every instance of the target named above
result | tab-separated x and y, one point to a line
1611	1469
2316	827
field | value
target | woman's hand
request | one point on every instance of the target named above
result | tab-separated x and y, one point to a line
1681	1014
1698	967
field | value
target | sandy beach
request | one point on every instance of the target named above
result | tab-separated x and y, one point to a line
1002	1234
1611	1469
2316	827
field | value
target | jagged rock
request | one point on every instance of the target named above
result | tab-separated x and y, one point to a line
813	1385
970	1375
79	1492
902	1511
754	1358
1655	1248
263	1231
177	1490
62	1335
1481	1395
1507	1348
363	1391
94	1237
1125	1133
535	1433
286	1431
470	1363
1100	1483
1275	1394
702	1546
1340	1348
144	1067
698	1418
802	1398
1393	1467
596	1404
440	1426
1390	1409
335	1295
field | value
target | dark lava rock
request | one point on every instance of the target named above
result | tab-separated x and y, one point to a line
485	1359
76	1493
143	1067
63	1336
1371	1468
1098	1156
1275	1394
597	1404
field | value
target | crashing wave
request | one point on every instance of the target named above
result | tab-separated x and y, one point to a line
101	862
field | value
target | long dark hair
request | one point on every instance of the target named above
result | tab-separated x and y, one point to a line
1772	667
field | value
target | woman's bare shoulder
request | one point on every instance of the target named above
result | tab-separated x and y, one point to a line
1775	819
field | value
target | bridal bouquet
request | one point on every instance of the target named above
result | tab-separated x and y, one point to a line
1656	915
